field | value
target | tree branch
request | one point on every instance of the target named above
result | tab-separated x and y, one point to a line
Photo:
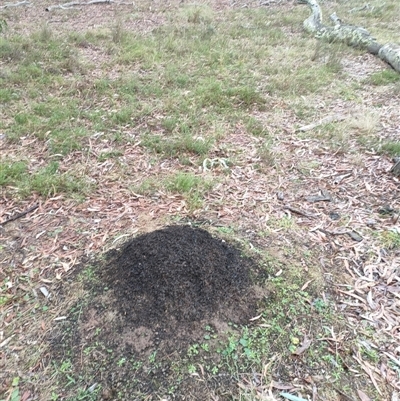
354	36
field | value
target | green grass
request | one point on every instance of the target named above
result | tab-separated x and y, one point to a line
225	71
178	145
192	186
184	183
45	181
390	239
148	186
12	172
391	148
384	77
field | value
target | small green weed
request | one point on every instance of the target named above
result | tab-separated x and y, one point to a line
255	127
118	33
44	35
193	350
285	223
370	354
192	186
264	152
14	391
330	54
196	14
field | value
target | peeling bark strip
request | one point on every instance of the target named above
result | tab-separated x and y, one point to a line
354	36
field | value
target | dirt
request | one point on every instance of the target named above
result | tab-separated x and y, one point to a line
154	297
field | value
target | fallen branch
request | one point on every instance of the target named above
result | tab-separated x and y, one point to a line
72	4
20	3
354	36
19	215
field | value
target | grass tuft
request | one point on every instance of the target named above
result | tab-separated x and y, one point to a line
46	181
391	148
11	172
183	182
177	146
385	77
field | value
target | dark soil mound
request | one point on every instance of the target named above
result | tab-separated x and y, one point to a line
148	303
178	274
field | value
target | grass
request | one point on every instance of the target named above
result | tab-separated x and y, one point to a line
222	79
178	145
391	148
211	88
390	239
130	103
45	181
384	77
10	172
193	187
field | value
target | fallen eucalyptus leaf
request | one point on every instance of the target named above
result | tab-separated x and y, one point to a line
363	396
292	397
304	346
44	291
354	236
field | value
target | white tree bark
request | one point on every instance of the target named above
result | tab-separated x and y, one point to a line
354	36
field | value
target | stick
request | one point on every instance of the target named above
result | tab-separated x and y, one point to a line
20	3
66	6
325	120
298	211
19	215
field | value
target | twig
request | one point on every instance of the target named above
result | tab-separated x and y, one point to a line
357	9
325	120
298	211
20	3
66	6
19	215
